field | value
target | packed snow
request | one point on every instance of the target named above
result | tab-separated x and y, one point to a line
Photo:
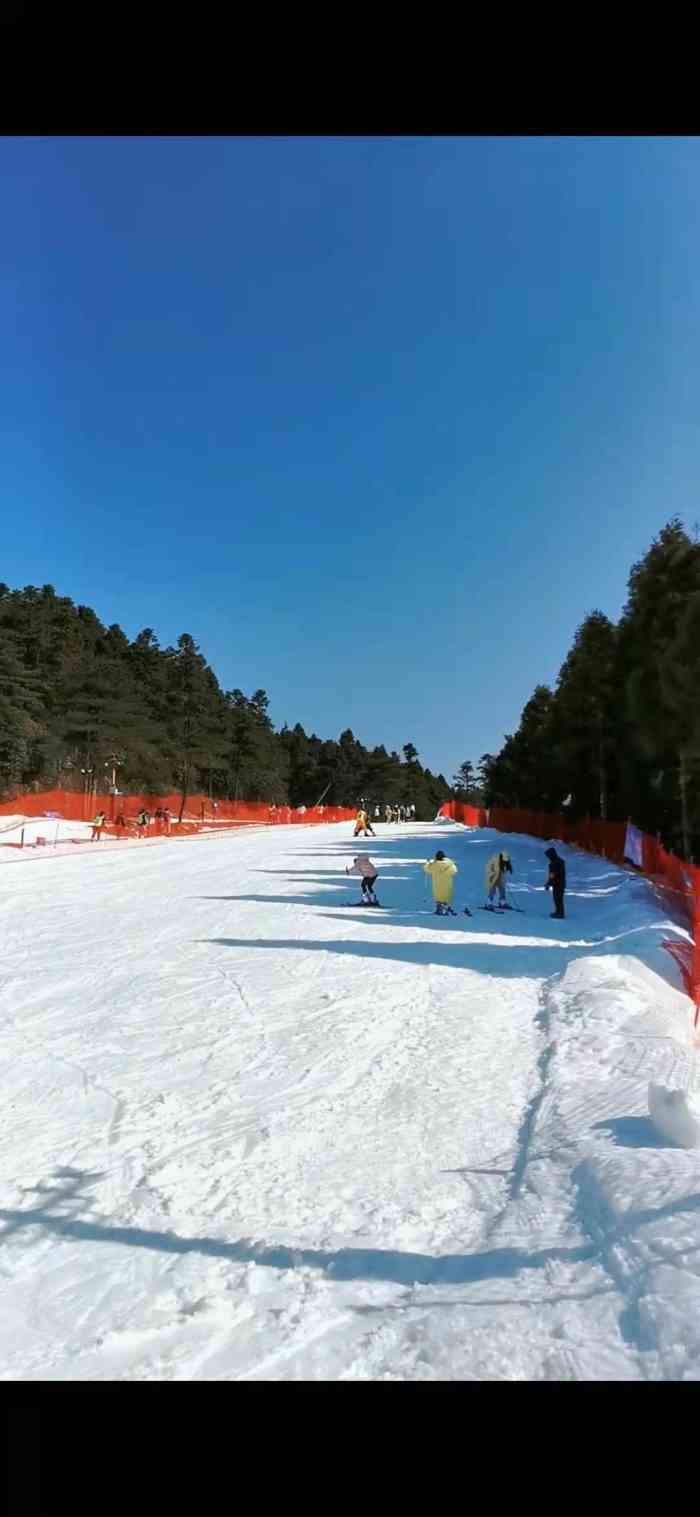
254	1132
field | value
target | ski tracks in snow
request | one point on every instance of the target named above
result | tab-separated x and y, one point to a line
437	1131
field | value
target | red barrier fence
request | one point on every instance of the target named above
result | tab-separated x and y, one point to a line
75	806
470	816
613	840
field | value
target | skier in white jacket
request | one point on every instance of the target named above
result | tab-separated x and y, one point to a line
368	873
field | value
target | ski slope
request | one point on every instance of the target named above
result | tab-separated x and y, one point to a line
249	1133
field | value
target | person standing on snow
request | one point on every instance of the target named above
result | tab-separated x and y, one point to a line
98	826
368	873
497	868
556	880
362	824
442	872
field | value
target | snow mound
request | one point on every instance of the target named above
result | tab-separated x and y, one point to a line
675	1115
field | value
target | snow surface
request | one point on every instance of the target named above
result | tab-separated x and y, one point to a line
251	1134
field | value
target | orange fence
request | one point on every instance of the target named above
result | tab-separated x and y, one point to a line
470	816
613	840
200	811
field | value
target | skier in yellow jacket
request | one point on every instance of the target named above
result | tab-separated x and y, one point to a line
442	872
363	824
497	868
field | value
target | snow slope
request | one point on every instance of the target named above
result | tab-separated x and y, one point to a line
251	1134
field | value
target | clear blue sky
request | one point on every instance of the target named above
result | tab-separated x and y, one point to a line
377	420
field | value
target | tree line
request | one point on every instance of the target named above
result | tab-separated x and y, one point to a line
619	735
80	702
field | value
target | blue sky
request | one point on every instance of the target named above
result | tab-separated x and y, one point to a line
377	420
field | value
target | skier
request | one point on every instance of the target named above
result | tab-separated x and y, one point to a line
442	872
142	822
497	868
368	872
97	826
362	824
557	880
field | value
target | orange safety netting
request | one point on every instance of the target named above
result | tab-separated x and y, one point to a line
679	880
470	816
200	811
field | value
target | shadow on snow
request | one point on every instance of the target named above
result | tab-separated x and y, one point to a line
341	1264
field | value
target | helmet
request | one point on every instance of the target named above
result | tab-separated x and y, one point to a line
439	854
505	856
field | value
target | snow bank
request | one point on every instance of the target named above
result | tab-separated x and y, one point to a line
676	1115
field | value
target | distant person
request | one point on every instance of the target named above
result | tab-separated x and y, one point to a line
98	826
368	873
167	820
142	822
556	881
362	824
376	813
120	824
442	872
497	868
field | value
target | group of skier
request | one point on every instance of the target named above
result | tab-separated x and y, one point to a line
442	870
162	819
398	813
391	814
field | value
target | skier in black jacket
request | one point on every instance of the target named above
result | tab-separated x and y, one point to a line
557	880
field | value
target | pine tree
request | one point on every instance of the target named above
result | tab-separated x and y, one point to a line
21	713
584	715
464	779
192	723
653	638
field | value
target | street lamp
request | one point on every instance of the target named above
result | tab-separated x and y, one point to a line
87	774
114	762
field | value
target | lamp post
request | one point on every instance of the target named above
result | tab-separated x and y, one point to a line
87	774
114	762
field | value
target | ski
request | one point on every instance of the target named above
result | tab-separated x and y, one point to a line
376	905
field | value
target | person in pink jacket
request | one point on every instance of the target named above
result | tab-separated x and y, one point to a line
368	873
